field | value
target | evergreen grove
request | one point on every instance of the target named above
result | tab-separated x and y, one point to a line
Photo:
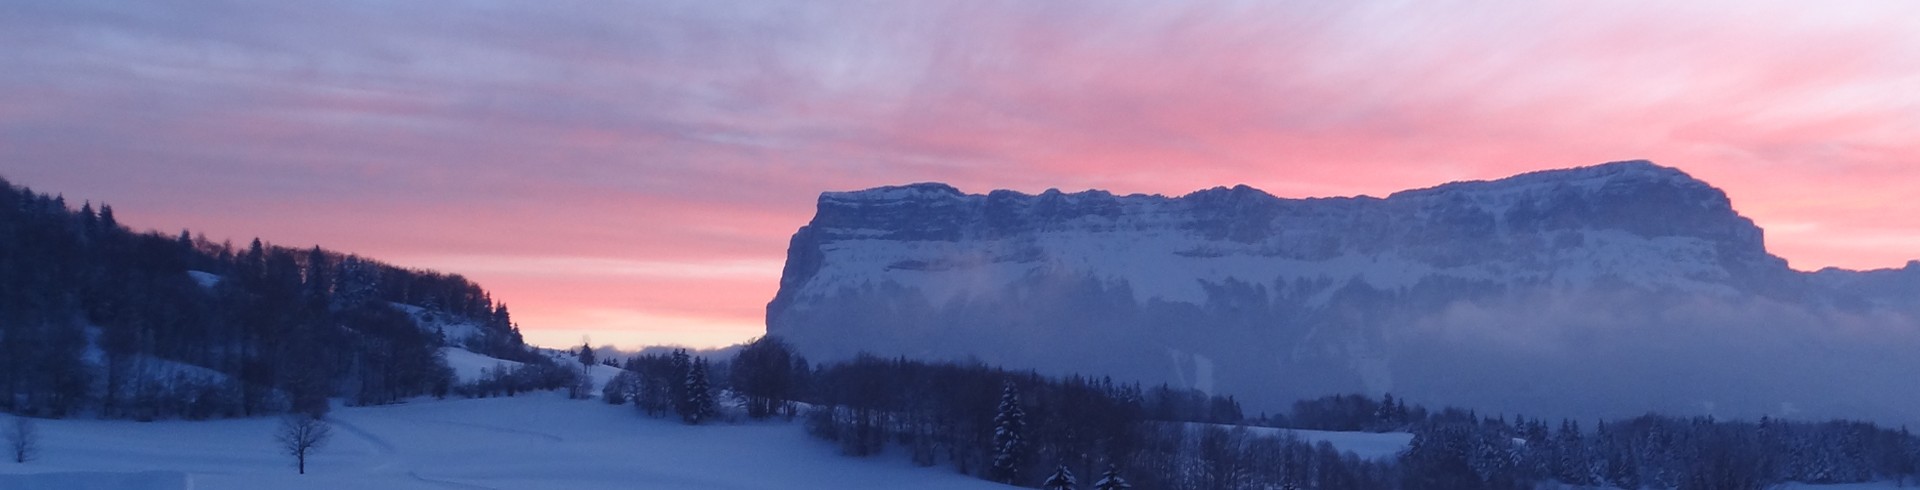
1032	430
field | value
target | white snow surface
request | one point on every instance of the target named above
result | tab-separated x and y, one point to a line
204	278
537	441
90	480
1152	264
1145	245
469	366
1366	445
1878	485
457	330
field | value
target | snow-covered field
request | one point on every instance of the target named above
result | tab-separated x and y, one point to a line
536	441
468	366
1882	485
1369	445
1363	444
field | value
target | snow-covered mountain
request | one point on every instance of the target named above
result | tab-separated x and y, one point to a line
1604	290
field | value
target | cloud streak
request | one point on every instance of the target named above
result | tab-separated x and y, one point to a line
700	132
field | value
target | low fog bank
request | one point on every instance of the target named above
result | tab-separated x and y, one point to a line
1616	356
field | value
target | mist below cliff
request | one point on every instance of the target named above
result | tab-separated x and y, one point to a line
1610	290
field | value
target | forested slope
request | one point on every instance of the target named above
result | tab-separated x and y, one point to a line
95	316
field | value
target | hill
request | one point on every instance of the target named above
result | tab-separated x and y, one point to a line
98	318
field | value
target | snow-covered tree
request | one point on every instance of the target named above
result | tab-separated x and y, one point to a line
1111	480
359	282
1572	466
1009	436
1062	479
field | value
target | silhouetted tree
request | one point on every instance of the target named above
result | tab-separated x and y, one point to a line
300	435
763	374
700	405
680	372
585	354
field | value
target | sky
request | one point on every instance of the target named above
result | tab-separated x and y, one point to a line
631	171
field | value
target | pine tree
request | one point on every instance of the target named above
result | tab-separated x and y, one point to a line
88	221
107	223
700	405
1062	479
1009	436
1111	480
679	368
1390	414
656	386
1572	465
583	387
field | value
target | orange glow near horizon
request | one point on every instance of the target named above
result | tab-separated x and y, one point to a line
631	171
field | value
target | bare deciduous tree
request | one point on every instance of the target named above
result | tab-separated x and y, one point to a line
23	438
300	435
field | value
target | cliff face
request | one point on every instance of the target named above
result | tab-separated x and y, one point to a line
1435	292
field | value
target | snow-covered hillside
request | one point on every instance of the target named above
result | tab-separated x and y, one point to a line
469	367
457	330
537	441
1575	292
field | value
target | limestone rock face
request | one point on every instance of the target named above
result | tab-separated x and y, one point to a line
1557	292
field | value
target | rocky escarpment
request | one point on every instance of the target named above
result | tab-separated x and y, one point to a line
1443	292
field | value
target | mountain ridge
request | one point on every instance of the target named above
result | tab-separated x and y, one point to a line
1219	280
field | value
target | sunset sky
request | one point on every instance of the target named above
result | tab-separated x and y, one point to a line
632	170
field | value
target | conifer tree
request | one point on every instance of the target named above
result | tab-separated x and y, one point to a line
88	221
107	222
679	368
1573	455
1111	480
1009	436
583	386
1062	479
700	405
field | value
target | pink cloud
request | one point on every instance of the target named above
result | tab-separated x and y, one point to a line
701	133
